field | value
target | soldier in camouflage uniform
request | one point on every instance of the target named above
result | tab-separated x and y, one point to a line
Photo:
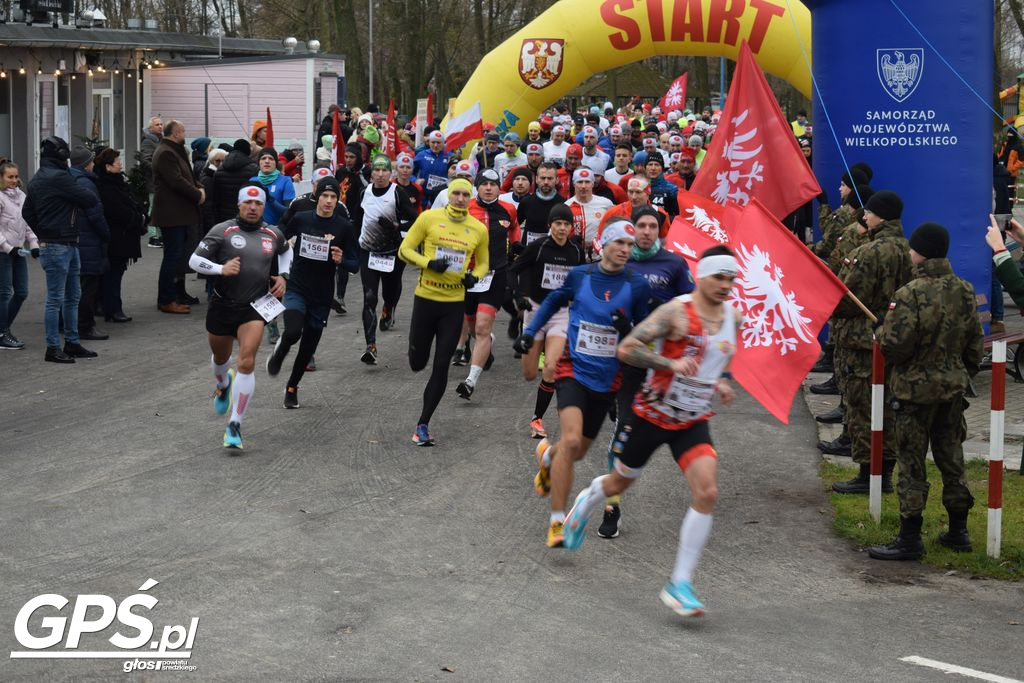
872	272
933	341
834	222
853	236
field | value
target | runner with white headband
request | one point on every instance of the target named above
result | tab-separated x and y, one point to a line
694	339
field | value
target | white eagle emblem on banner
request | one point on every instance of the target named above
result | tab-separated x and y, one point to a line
540	61
772	316
900	70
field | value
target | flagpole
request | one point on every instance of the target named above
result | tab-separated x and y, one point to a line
861	306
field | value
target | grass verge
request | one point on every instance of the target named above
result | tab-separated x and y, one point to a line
853	521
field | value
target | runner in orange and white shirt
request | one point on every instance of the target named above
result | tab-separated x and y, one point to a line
587	209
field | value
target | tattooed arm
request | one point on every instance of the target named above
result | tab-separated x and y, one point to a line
635	350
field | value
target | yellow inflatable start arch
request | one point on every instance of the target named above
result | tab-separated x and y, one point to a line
573	39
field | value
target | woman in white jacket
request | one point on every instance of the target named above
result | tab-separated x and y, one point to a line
16	241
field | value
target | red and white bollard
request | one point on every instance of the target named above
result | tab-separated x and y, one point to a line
995	449
877	398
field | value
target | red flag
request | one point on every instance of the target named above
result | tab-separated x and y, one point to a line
466	127
785	295
675	96
754	153
391	144
270	129
699	226
336	143
430	110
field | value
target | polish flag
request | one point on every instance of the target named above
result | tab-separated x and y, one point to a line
675	96
464	128
754	153
336	155
391	141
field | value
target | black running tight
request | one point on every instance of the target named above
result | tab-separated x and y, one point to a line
430	320
390	286
295	327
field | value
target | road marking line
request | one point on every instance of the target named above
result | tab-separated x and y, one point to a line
954	669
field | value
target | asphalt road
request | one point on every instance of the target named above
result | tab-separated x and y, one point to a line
333	549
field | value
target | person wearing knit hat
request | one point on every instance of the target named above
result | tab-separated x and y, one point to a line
449	246
533	135
520	183
279	188
872	272
933	344
324	239
834	222
556	148
458	169
258	137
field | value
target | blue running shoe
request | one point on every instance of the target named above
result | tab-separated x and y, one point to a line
233	436
681	599
222	396
422	437
575	522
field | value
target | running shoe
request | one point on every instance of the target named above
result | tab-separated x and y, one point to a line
610	525
233	436
387	319
273	334
464	390
514	328
490	356
542	480
311	365
339	307
222	396
462	356
291	397
537	429
274	360
421	437
681	599
369	355
575	522
556	535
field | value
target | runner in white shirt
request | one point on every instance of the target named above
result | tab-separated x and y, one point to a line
512	157
593	158
556	148
463	169
587	209
623	159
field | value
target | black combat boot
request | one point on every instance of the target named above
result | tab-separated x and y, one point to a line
824	363
859	484
832	417
826	388
956	538
841	445
906	546
887	468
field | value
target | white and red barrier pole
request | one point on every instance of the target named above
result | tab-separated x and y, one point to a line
995	449
877	398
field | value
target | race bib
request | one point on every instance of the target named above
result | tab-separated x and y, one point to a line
554	276
690	394
380	262
268	306
597	340
435	181
533	236
456	259
483	285
315	248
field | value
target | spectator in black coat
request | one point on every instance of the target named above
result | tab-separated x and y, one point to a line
233	175
127	222
93	237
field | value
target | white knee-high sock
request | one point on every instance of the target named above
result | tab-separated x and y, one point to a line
474	374
241	394
693	536
220	372
595	499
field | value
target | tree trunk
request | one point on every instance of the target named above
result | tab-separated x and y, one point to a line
348	42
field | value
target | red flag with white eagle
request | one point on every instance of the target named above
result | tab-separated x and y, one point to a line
675	96
753	153
337	145
786	295
699	226
391	142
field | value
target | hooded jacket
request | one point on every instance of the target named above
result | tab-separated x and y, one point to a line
14	231
53	200
233	175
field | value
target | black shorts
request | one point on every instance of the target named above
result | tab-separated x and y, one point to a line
637	439
224	317
493	297
594	404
